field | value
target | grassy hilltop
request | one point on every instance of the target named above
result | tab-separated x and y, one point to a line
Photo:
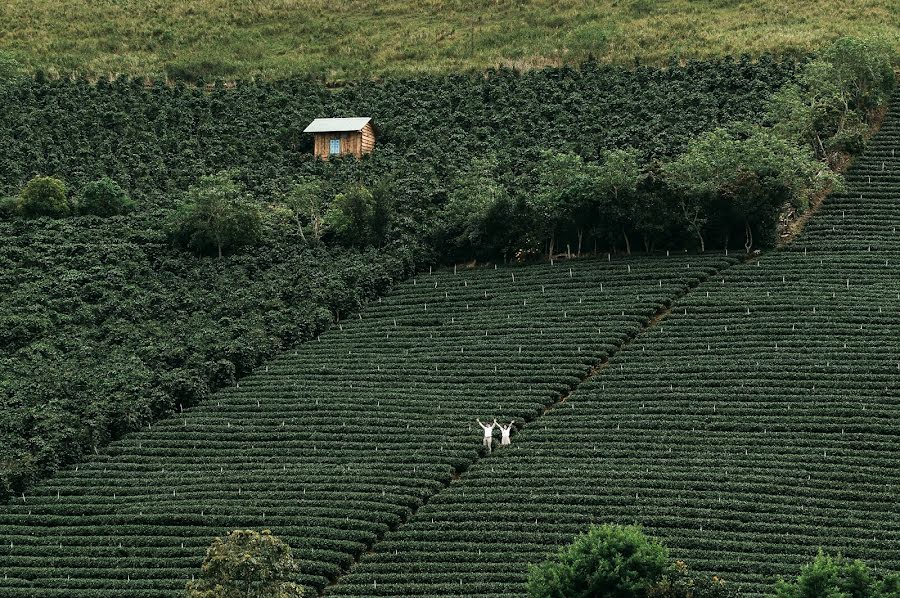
364	38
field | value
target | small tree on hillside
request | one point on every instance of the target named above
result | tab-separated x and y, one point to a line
361	216
306	203
838	577
104	198
831	103
608	560
744	179
563	197
44	196
616	181
476	194
216	214
247	564
864	69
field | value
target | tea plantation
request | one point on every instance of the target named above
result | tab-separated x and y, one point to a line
742	407
756	424
336	443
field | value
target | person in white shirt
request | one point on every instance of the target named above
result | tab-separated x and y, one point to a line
488	434
504	432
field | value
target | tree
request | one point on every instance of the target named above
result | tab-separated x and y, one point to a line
216	214
104	198
608	560
44	196
466	217
247	564
616	181
836	577
831	104
864	69
306	200
563	197
743	179
360	216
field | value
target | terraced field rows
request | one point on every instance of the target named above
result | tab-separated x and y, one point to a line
757	423
335	444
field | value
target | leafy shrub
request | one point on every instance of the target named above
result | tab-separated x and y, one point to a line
838	577
44	196
360	216
104	198
682	583
9	207
217	214
607	560
247	564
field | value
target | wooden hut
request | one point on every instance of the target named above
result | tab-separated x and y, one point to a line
342	136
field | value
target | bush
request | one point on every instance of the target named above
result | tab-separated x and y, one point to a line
836	576
44	196
247	564
104	198
609	560
9	207
360	216
682	583
217	214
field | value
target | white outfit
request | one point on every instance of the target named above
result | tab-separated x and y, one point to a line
488	435
504	431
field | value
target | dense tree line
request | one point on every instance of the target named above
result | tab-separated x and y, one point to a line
727	187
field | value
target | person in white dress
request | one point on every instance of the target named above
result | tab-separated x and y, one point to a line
488	434
504	433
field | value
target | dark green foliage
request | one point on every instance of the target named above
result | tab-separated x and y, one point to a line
831	105
163	138
9	207
742	180
680	582
103	198
216	214
130	328
607	560
44	196
474	218
103	339
10	69
247	564
836	577
360	217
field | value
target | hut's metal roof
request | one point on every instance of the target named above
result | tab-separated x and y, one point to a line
334	125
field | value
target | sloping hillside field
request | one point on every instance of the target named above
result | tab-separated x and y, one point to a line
756	424
334	444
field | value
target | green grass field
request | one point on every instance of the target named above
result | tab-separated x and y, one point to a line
365	38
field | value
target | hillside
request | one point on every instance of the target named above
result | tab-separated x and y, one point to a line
366	38
756	424
333	444
204	328
748	426
105	325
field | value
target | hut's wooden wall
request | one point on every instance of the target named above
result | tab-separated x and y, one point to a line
367	138
356	143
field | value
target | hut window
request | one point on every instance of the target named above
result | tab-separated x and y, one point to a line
334	146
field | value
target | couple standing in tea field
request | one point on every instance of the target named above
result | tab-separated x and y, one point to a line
489	433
